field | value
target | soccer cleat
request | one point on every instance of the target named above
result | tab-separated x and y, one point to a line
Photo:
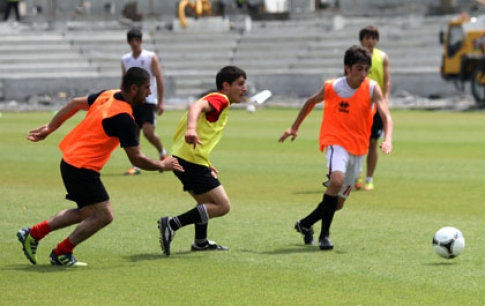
369	186
306	232
132	171
166	234
29	244
359	182
67	260
163	157
326	244
210	246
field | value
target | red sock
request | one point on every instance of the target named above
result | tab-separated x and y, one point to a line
40	230
65	247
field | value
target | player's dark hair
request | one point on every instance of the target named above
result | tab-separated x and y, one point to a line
134	33
228	74
134	76
357	54
369	30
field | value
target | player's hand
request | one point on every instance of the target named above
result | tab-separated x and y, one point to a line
160	109
39	134
386	147
191	137
172	164
289	132
214	171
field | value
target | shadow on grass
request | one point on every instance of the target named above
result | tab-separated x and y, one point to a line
293	250
153	256
310	192
441	264
43	268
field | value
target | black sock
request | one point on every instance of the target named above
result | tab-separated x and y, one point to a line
329	205
314	216
201	233
197	214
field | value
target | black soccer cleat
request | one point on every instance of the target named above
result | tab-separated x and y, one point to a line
166	234
306	232
209	246
326	244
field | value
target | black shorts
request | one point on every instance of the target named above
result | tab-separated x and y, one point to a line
376	130
197	179
145	113
83	186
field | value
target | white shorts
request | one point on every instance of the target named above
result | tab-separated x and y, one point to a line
338	159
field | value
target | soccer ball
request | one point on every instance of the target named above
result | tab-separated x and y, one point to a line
250	108
448	242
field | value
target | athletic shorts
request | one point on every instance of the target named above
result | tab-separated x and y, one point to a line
196	178
83	186
377	127
145	113
338	159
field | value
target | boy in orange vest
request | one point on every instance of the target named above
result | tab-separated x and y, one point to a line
349	105
108	124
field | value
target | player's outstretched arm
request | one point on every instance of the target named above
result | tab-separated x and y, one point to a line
383	109
62	115
138	159
157	72
304	111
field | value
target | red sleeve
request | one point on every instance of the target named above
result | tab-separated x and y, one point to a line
219	103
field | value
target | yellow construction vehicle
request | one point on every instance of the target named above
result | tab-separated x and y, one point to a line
463	56
200	7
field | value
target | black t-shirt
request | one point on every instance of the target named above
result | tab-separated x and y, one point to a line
121	126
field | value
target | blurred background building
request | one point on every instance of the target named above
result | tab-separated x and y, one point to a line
61	49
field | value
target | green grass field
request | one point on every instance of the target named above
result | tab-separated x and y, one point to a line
382	256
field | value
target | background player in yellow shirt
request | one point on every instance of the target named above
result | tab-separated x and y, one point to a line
379	72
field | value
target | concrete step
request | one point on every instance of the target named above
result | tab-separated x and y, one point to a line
46	67
263	47
198	65
262	63
258	54
181	37
35	49
34	58
33	40
48	74
191	92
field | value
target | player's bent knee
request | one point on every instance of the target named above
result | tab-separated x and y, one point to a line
107	218
225	208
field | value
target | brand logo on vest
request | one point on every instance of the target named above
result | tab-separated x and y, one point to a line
344	107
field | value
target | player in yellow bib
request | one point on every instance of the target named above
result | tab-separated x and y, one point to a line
379	72
349	105
196	135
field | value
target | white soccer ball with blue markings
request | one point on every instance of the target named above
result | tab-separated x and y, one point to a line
448	242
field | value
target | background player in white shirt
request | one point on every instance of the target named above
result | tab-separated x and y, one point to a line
145	114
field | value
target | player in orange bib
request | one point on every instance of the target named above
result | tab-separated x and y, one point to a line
108	124
349	106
